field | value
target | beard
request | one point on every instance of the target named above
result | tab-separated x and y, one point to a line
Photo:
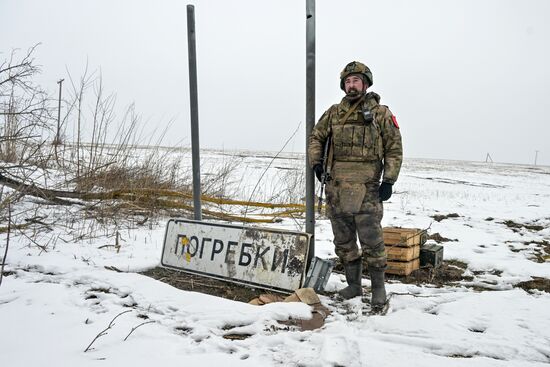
353	94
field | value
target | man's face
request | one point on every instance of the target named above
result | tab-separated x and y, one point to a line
354	84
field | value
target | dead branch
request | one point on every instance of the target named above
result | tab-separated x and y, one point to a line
135	327
104	331
43	248
52	195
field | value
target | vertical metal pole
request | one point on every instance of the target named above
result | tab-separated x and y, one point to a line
195	151
310	122
536	156
57	134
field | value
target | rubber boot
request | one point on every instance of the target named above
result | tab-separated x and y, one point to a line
377	287
353	271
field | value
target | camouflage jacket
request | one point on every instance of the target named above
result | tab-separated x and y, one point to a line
361	151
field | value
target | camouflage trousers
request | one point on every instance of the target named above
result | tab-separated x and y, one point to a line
363	223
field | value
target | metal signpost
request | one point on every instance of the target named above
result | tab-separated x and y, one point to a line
262	257
195	150
310	120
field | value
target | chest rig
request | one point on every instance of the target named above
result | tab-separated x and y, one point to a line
356	134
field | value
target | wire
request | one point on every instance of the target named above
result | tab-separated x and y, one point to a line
269	165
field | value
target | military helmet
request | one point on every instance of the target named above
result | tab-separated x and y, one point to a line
355	67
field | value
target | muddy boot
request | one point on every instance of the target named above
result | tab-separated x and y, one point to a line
377	288
353	277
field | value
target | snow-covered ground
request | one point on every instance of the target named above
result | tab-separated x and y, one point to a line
60	291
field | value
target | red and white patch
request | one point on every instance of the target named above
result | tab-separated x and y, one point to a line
394	119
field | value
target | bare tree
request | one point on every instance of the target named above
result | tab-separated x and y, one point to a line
25	116
24	106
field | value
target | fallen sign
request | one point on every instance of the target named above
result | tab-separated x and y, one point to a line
262	257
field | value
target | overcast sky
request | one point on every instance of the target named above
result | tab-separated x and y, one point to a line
464	78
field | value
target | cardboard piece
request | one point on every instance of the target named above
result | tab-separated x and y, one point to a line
305	295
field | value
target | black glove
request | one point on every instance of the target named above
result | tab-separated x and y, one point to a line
318	169
384	191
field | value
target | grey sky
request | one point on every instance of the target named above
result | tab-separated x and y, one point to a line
464	78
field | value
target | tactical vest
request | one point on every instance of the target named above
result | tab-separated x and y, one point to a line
356	140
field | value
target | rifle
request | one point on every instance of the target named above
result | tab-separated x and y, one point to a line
326	171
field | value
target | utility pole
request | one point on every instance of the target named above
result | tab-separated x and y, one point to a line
536	156
58	134
310	122
195	150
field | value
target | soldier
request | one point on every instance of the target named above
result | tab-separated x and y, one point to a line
365	147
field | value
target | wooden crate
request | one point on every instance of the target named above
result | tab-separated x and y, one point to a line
397	253
402	267
404	236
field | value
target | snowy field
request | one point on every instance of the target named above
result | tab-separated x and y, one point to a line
59	290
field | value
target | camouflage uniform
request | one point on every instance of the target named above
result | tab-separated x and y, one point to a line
363	153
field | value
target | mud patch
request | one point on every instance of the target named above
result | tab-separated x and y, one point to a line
184	330
231	327
440	217
449	272
541	284
495	272
100	290
542	252
237	336
440	239
516	227
195	283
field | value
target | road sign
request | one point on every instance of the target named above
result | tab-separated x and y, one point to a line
263	257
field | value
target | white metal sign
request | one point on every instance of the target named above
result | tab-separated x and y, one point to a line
263	257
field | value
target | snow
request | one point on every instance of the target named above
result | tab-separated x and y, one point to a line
55	302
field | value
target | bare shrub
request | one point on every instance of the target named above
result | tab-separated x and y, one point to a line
106	151
158	170
218	183
293	184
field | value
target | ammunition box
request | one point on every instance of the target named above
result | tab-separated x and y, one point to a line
431	255
318	274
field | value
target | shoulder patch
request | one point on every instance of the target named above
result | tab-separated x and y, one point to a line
394	119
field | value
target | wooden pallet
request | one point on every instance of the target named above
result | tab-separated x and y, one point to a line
404	236
402	267
397	253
